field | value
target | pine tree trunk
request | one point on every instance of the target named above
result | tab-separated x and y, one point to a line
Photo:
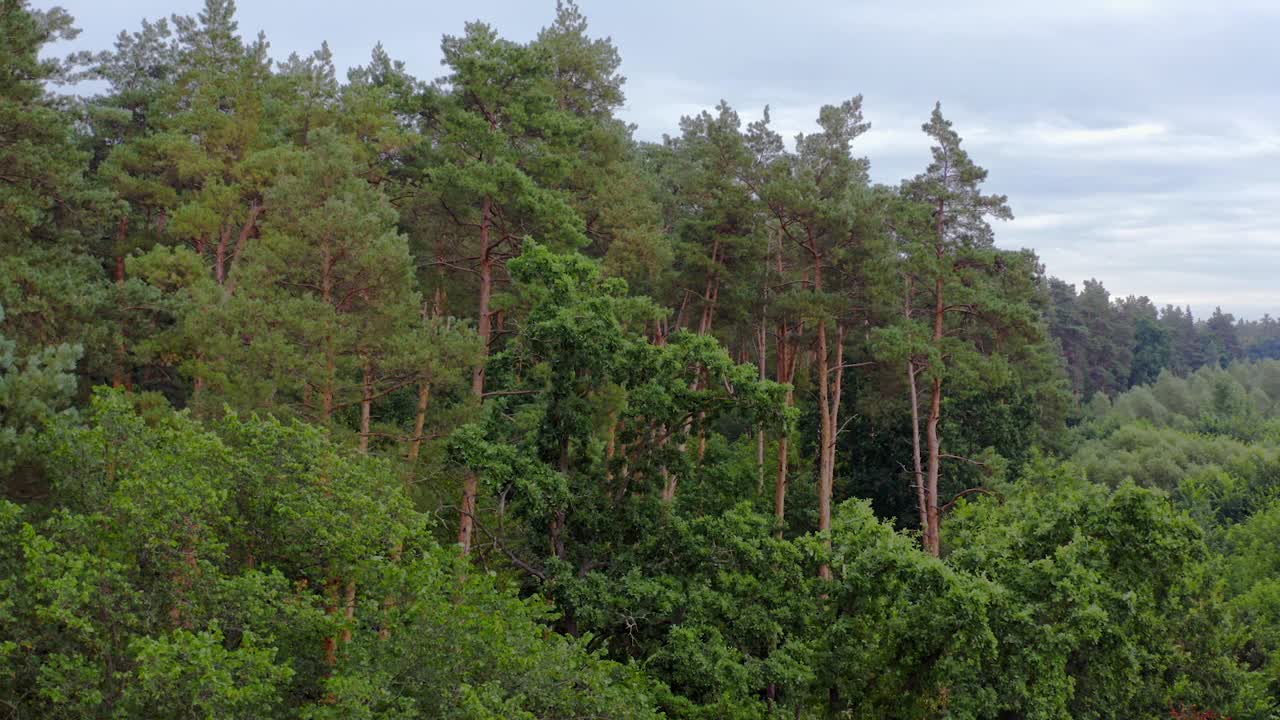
389	602
917	465
932	536
558	520
679	319
439	298
702	437
220	255
710	296
611	448
825	435
780	484
786	362
785	372
826	416
837	389
933	533
933	543
711	291
330	352
484	319
246	231
184	576
922	501
350	611
366	405
420	419
762	351
118	378
668	486
471	483
330	379
470	487
669	483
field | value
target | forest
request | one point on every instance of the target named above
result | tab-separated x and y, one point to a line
384	397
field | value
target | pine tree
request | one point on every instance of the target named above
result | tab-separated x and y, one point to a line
1109	348
190	142
826	262
957	274
1066	324
714	216
33	387
585	70
52	289
1151	349
1187	352
1223	344
329	316
41	185
500	144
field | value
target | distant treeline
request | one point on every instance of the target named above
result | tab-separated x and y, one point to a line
1110	345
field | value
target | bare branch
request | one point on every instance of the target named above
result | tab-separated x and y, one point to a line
505	393
971	491
971	461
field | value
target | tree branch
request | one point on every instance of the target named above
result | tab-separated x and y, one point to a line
971	491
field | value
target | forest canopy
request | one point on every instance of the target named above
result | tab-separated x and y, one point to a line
386	397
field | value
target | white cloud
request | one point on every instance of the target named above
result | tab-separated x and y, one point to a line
1077	136
1042	221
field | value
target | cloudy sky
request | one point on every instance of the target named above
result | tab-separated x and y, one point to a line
1138	140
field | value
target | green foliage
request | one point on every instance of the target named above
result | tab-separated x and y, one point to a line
33	388
195	569
1103	608
717	608
910	637
42	190
1251	574
194	673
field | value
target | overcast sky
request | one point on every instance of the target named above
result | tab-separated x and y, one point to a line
1138	140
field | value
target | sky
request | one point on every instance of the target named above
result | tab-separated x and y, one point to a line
1138	141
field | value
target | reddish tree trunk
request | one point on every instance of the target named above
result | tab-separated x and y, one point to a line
220	255
828	409
933	541
762	352
785	372
825	434
786	368
420	419
711	291
830	385
471	483
246	231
